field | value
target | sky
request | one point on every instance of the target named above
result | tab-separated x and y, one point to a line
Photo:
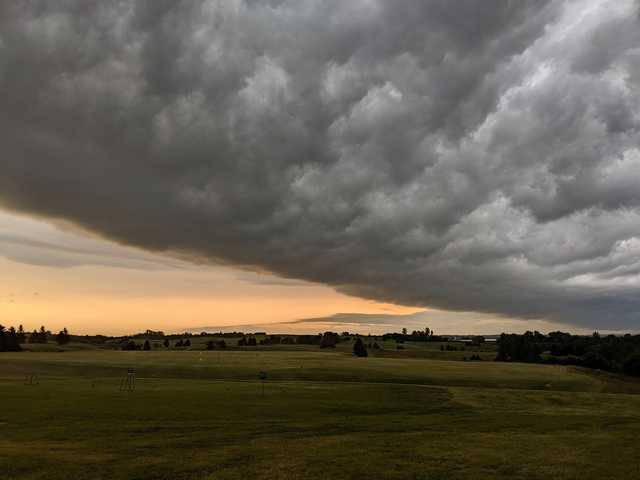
473	166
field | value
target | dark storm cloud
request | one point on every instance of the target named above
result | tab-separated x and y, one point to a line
478	156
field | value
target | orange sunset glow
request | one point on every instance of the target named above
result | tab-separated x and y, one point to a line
104	297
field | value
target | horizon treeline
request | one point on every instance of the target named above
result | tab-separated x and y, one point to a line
11	338
612	353
617	354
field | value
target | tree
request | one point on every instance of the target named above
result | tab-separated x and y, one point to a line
404	331
33	337
147	345
166	343
9	340
130	345
632	366
187	343
38	336
178	343
329	340
22	337
359	350
308	339
595	360
42	334
63	337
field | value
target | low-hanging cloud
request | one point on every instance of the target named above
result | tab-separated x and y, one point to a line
477	156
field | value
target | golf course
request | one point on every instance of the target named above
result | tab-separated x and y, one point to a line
277	413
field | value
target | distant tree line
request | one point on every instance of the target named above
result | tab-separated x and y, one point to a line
308	339
9	340
247	342
425	335
211	345
329	340
150	334
620	354
130	344
39	336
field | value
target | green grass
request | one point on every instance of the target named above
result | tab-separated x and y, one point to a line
323	415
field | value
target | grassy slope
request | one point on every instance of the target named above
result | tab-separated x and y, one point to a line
400	418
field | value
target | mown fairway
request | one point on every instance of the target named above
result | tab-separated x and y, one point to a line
323	415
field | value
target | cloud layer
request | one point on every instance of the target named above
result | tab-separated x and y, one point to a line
462	155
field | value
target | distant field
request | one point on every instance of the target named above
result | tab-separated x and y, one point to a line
319	415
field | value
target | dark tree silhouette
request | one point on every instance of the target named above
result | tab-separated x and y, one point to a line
130	345
632	365
9	340
63	337
359	350
147	345
612	353
22	337
38	336
329	340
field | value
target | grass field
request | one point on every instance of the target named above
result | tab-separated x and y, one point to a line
319	415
